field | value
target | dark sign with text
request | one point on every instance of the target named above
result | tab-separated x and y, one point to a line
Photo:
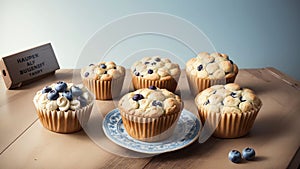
28	65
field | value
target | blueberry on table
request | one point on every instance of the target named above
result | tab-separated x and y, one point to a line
76	91
248	153
86	74
103	66
150	71
46	89
137	97
52	95
234	156
200	67
61	86
152	87
68	95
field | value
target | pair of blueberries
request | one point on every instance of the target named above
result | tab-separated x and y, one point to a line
235	156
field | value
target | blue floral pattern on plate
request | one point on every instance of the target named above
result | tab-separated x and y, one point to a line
186	132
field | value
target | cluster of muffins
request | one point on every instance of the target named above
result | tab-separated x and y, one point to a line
150	112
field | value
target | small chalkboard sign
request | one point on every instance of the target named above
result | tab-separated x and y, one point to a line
27	66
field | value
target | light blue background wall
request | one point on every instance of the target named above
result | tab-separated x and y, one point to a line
256	33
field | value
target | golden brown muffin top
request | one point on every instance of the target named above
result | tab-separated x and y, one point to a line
155	68
213	66
229	98
150	102
103	71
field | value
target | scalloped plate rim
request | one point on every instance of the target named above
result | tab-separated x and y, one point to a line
116	141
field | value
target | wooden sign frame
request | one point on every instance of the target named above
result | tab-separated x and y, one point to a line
29	65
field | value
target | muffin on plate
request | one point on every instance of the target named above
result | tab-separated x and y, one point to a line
155	71
63	107
232	108
207	70
150	114
104	79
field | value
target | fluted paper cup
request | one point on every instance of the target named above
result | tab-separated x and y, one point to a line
229	125
104	89
168	83
64	121
150	129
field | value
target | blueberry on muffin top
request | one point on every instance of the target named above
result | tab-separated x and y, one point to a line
155	68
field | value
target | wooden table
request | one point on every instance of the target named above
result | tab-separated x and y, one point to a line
275	136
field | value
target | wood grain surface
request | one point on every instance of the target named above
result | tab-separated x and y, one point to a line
275	136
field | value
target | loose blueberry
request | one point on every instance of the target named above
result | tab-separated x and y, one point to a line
152	87
137	97
103	66
82	100
76	91
46	89
146	63
206	103
136	73
200	67
86	74
61	86
156	103
157	59
68	95
234	156
150	71
248	153
52	95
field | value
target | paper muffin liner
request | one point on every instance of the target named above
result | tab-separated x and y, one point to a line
64	121
229	125
169	84
104	89
150	129
199	84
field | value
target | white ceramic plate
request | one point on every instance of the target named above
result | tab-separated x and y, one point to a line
186	132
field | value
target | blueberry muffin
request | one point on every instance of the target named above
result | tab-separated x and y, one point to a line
150	114
232	108
207	69
63	107
104	79
155	71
